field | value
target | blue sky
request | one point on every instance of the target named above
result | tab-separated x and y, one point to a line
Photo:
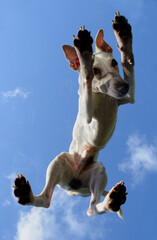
38	104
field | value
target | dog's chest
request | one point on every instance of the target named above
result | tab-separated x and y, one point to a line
104	120
99	131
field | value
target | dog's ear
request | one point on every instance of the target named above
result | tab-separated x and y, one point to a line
71	56
101	44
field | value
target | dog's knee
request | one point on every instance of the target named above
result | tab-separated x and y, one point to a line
100	169
58	163
98	179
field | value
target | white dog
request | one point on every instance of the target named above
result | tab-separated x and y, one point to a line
101	92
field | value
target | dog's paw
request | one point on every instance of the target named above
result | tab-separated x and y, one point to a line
116	197
22	190
121	26
84	41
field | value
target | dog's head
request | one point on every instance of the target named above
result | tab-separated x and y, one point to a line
106	72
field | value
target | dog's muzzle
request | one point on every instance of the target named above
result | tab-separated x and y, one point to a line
114	88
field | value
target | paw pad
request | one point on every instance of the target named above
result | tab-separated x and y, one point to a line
83	41
117	196
121	26
22	190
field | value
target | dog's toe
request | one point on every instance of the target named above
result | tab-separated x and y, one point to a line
22	190
116	197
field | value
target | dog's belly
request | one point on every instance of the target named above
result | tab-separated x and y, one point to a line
99	134
99	131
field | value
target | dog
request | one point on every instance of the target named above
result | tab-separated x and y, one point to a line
101	92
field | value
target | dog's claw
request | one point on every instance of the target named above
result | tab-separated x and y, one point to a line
82	28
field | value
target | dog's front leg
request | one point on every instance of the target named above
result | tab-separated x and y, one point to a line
123	33
83	46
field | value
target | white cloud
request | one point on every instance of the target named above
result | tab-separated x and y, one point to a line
12	176
6	203
142	157
35	224
18	92
63	220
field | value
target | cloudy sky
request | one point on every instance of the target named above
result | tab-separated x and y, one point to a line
38	105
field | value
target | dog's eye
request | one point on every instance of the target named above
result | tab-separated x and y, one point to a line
114	63
96	71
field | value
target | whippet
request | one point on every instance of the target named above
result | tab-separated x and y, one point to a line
101	92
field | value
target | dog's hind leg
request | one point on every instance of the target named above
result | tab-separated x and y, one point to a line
59	171
96	178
